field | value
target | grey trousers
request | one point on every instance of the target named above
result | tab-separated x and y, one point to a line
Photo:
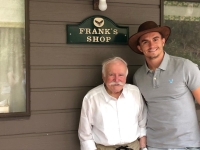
186	148
134	145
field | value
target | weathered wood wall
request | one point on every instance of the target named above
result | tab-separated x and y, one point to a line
61	74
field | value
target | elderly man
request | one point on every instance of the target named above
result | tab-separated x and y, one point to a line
169	85
113	114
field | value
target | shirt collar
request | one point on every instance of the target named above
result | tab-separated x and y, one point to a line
163	64
108	97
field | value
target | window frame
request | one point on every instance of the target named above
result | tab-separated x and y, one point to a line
27	113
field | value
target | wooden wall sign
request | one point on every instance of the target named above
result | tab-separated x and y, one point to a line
97	30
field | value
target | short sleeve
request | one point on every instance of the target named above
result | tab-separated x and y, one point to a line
192	74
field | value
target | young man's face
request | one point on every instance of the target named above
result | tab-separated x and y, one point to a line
151	45
115	77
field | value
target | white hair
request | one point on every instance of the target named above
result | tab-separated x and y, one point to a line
110	60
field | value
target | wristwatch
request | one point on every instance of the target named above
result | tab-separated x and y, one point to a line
144	148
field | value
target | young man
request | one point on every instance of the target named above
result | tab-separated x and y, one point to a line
113	115
169	85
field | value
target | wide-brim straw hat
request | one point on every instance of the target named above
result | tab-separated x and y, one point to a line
144	28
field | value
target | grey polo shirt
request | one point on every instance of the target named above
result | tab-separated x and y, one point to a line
172	120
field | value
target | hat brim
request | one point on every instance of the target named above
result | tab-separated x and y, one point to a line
133	40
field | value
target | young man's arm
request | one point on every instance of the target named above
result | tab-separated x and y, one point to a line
196	94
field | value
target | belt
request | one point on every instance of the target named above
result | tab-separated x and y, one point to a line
124	148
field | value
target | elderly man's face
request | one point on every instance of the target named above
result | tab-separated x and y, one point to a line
115	77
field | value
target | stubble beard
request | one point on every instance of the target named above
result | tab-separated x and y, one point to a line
153	57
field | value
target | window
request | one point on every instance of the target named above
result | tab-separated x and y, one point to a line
14	88
183	16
